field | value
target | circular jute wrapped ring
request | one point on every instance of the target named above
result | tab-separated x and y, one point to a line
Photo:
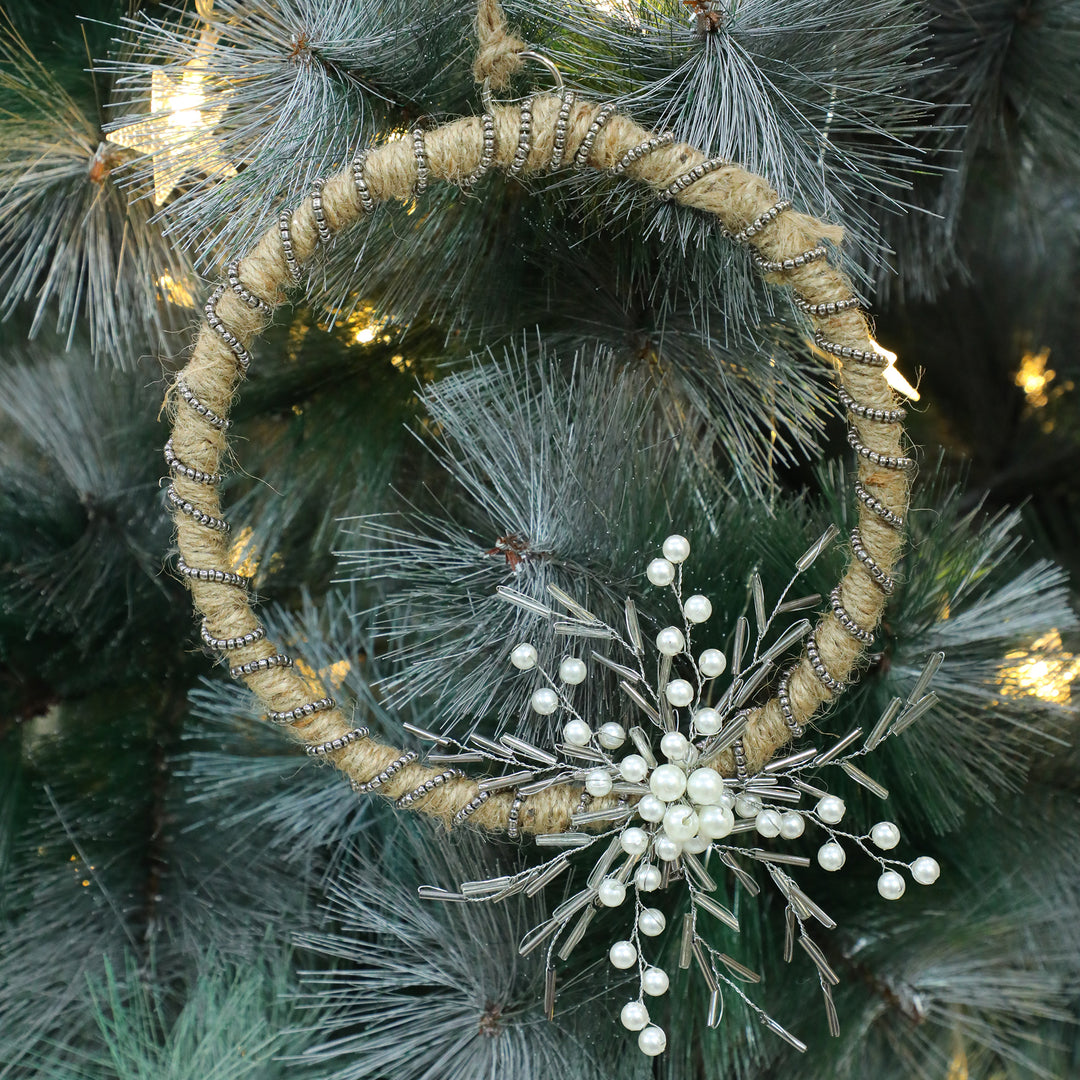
786	244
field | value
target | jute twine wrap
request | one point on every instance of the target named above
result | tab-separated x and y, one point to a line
736	198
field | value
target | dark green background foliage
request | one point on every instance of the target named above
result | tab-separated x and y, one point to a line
565	361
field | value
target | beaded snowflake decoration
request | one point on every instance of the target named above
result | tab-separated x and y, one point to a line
655	813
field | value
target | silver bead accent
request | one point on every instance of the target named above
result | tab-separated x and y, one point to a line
427	787
227	644
524	138
830	307
285	232
420	153
834	686
302	712
738	748
253	667
219	577
878	507
561	124
691	177
859	633
377	781
197	476
328	747
868	357
325	235
784	697
865	412
513	827
487	155
470	808
636	153
885	461
193	512
761	222
885	583
206	413
768	266
249	298
581	157
243	357
363	192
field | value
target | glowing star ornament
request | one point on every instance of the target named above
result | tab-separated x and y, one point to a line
178	134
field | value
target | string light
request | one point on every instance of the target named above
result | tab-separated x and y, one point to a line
1046	670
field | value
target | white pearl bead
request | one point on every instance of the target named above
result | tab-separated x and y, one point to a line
680	822
667	783
652	1041
651	922
665	848
612	735
792	824
707	721
634	1016
696	844
727	798
660	572
925	870
704	787
611	892
891	885
747	806
885	835
577	733
768	823
670	641
712	662
633	768
650	808
654	981
634	841
679	692
697	608
648	877
716	822
572	670
544	701
676	548
831	809
623	954
674	745
598	782
524	656
831	856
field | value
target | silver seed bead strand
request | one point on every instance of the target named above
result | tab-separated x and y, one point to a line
636	153
878	507
768	266
867	357
196	476
885	461
830	307
761	222
219	577
487	155
285	232
377	781
859	633
302	712
243	357
206	413
561	123
328	747
470	808
698	172
885	583
866	412
363	192
317	211
583	802
193	512
784	697
228	644
833	685
426	788
423	170
513	826
524	138
232	272
738	748
581	157
253	667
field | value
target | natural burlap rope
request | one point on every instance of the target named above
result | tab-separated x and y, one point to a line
782	240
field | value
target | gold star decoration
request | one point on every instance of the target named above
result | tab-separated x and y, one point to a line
178	132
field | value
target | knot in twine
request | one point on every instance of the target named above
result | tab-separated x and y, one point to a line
498	56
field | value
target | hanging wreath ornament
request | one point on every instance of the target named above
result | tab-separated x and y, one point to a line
649	824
